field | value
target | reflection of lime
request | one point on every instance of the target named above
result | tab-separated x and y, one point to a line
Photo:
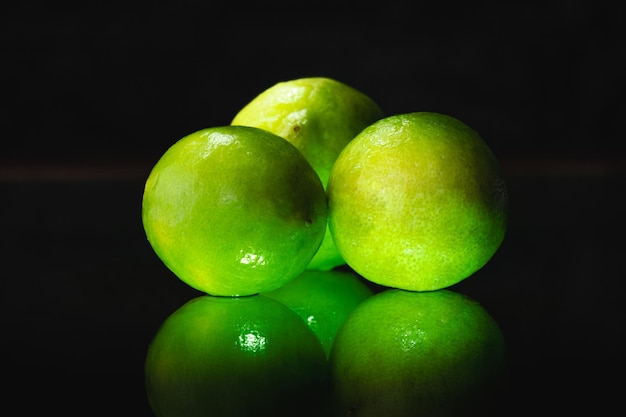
240	356
323	299
234	210
319	116
406	353
417	202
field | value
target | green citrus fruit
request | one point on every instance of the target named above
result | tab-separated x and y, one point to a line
403	353
417	202
323	299
235	356
234	210
319	116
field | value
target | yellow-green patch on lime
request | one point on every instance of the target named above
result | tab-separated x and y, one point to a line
417	201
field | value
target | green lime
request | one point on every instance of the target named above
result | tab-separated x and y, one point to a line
235	356
319	116
323	299
234	210
402	354
417	202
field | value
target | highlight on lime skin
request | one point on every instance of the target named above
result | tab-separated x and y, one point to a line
252	260
251	340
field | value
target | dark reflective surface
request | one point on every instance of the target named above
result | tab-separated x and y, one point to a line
83	294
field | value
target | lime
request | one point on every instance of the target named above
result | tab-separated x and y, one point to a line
234	210
235	356
404	353
323	299
319	116
417	202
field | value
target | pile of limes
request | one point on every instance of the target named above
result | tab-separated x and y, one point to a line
325	236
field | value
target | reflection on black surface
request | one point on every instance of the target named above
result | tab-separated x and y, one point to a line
240	356
402	353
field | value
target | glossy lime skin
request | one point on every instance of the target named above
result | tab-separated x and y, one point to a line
234	210
417	201
319	116
235	356
405	354
323	299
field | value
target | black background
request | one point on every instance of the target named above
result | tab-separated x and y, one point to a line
94	93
